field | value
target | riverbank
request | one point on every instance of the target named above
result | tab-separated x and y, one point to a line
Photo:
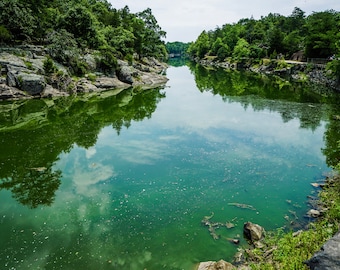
321	80
28	72
316	247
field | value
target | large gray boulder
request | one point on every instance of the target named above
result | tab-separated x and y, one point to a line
253	232
9	60
220	265
109	83
32	84
8	92
125	74
328	258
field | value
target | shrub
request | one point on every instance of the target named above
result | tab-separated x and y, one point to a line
334	66
129	58
49	66
29	64
79	67
92	77
107	61
5	35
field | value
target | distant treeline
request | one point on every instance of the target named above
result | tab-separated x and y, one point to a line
177	48
73	25
316	35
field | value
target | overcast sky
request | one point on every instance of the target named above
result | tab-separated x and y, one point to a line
184	20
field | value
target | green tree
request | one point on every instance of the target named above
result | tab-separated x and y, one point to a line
275	40
322	30
220	49
292	42
120	39
63	47
241	49
296	20
216	45
17	19
81	23
177	48
201	46
152	44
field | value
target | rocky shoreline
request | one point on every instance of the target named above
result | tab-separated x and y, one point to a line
23	75
315	75
325	258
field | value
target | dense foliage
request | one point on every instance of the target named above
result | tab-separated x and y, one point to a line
316	35
177	48
76	25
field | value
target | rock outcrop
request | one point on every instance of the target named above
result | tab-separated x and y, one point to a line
253	232
22	75
328	258
220	265
315	74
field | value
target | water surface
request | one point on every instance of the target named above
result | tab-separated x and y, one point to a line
123	182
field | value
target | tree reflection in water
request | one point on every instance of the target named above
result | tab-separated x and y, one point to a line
33	133
34	186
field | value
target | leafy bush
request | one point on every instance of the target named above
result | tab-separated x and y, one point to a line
5	35
49	66
106	60
29	64
334	66
79	67
129	58
62	46
92	77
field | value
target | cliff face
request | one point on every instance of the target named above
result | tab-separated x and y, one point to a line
23	75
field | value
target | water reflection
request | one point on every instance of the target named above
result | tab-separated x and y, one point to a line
33	186
241	87
131	183
33	133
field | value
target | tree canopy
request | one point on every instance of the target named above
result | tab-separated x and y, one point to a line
93	24
317	35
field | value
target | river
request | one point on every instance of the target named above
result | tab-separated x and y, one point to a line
123	181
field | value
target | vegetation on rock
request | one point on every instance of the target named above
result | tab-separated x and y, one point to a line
70	28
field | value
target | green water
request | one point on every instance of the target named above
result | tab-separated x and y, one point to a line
123	181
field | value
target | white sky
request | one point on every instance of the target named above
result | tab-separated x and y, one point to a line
184	20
